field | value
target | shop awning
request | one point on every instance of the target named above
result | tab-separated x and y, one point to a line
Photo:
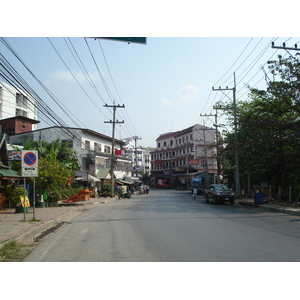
125	182
6	173
90	178
104	173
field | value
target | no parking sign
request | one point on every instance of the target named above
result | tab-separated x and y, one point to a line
29	163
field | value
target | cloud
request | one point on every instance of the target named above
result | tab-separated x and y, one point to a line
166	102
66	76
188	92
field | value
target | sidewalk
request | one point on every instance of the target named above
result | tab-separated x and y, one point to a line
13	227
270	207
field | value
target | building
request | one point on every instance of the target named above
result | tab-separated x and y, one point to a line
93	149
15	102
139	156
179	155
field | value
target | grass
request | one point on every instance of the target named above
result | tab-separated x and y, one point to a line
32	220
13	251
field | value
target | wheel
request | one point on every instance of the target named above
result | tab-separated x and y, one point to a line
206	198
215	200
232	201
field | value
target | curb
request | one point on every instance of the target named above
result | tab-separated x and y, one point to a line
290	211
30	235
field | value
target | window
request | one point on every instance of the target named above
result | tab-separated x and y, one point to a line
97	147
106	149
87	144
158	145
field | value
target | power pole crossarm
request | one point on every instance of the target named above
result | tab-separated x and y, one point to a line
285	48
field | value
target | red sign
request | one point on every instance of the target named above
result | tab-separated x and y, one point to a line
193	161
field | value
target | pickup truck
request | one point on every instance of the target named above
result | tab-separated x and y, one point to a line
219	193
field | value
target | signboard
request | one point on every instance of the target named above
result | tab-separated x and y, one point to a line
29	163
14	155
137	40
193	161
25	203
82	174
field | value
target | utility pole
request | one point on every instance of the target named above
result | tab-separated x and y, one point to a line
114	122
237	167
217	143
135	152
205	155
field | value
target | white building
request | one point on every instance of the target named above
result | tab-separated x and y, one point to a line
139	156
15	102
93	149
180	154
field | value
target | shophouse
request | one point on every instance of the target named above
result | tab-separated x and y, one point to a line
182	154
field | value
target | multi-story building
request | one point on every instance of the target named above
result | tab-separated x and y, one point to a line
17	103
179	155
140	157
93	149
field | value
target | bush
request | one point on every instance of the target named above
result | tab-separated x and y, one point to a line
13	194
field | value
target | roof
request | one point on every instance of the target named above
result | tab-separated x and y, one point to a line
104	173
184	131
8	173
75	128
166	135
33	121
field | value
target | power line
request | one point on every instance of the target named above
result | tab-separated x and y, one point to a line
76	78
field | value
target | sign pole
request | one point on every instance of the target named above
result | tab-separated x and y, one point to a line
33	198
29	169
24	207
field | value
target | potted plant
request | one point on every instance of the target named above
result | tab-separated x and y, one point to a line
14	195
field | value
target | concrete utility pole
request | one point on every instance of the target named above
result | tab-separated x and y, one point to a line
135	153
217	143
114	122
237	167
205	153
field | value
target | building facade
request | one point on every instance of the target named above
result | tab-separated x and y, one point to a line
93	149
179	155
139	156
15	102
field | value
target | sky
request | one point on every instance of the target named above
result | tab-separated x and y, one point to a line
165	85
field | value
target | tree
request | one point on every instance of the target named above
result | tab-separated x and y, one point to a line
57	163
268	128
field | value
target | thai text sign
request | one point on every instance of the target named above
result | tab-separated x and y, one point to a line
29	163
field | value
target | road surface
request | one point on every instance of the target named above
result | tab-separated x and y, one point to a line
171	226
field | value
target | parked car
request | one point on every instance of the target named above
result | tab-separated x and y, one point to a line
219	193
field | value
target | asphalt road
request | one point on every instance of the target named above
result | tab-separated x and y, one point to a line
170	226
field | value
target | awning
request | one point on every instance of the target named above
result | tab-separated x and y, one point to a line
125	182
119	175
104	173
9	174
90	178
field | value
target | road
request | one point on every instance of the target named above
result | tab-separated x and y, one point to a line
170	226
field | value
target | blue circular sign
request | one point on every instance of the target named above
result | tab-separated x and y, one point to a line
29	158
